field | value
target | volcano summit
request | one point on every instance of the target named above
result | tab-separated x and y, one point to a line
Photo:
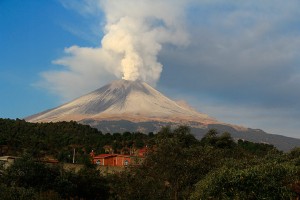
135	106
134	101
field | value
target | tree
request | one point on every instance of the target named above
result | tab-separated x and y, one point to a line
264	181
90	184
212	138
168	172
28	179
27	173
259	149
13	193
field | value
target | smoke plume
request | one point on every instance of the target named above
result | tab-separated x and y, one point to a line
134	33
136	30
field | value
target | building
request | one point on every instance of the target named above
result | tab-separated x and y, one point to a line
119	159
112	160
143	152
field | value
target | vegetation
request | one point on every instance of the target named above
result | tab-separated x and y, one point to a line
28	179
59	139
178	166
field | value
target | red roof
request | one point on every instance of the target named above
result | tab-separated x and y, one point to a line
50	161
105	155
143	150
121	155
110	155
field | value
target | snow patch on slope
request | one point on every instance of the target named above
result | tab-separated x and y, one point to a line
122	99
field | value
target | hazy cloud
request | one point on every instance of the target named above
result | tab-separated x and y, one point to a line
84	69
253	62
245	59
133	36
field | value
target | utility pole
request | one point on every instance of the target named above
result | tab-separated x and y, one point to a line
74	156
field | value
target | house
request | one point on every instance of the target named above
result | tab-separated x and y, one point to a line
119	159
142	152
111	160
49	160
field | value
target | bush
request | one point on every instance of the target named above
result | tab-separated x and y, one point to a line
266	181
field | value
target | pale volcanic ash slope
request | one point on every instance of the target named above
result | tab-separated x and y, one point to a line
135	101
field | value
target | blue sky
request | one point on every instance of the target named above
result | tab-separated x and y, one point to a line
236	61
31	37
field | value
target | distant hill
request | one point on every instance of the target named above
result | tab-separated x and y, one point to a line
254	135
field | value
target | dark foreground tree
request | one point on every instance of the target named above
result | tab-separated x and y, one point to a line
29	179
177	162
264	181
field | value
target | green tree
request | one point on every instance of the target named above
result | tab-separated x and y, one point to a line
169	171
27	173
28	179
16	193
264	181
212	138
90	184
259	149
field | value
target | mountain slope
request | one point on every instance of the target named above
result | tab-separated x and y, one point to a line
131	100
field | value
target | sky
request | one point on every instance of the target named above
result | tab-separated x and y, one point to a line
237	61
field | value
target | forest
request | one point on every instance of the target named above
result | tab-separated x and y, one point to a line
177	166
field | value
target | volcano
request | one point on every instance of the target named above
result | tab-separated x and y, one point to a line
136	106
135	101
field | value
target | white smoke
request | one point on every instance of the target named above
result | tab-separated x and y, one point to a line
136	30
134	33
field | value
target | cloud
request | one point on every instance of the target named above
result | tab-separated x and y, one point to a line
249	64
245	58
85	69
272	120
133	37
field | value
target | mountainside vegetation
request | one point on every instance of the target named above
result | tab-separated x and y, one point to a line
60	138
177	165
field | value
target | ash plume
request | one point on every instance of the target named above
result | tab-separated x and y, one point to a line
134	33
